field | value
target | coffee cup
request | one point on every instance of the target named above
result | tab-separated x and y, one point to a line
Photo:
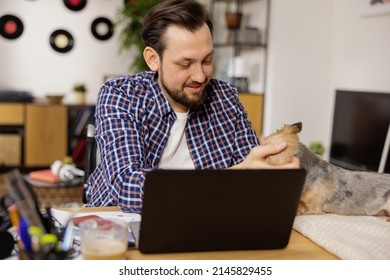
103	239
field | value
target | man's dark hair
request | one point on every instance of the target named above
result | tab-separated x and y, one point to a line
188	14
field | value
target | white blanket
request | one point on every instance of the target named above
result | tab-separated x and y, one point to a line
348	237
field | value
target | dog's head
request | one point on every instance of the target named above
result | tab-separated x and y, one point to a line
287	133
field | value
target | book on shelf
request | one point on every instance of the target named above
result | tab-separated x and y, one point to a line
78	153
80	122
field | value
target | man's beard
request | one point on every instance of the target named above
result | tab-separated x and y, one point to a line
180	97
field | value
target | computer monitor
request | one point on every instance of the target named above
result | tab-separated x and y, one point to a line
360	126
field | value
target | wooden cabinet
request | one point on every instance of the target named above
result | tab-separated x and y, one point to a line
34	135
10	152
11	134
253	104
11	114
45	134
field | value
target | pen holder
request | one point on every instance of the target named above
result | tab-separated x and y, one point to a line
47	247
42	255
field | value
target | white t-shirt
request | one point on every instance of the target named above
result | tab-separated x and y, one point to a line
176	154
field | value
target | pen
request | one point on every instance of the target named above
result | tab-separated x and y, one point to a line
35	244
23	234
35	235
14	215
68	237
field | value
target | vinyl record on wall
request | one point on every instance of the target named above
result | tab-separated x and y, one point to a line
11	27
75	5
61	41
101	28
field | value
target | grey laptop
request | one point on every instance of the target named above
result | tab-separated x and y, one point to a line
214	210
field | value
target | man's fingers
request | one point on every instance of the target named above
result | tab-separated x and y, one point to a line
270	149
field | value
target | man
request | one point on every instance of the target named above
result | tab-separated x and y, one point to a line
174	116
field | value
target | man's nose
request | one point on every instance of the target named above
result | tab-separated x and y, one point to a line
198	73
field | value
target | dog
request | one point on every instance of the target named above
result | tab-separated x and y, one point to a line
329	188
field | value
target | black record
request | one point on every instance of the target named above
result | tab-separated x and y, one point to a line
75	5
61	41
101	28
11	27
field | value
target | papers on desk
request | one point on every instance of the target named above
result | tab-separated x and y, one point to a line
64	216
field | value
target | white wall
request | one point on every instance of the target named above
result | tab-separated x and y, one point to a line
360	49
29	62
299	67
316	47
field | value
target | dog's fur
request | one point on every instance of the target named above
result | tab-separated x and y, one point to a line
328	188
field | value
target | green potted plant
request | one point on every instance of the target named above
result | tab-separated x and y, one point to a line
317	148
130	19
80	91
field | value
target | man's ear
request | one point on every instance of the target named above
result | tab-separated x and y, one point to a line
152	59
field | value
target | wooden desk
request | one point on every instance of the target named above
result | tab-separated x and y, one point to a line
299	248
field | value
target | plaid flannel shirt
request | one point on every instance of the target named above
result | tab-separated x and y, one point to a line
133	121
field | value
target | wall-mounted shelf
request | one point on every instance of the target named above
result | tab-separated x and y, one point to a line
248	39
241	45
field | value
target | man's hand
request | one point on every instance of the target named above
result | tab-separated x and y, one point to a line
257	158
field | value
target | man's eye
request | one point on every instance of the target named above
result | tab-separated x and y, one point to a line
185	66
